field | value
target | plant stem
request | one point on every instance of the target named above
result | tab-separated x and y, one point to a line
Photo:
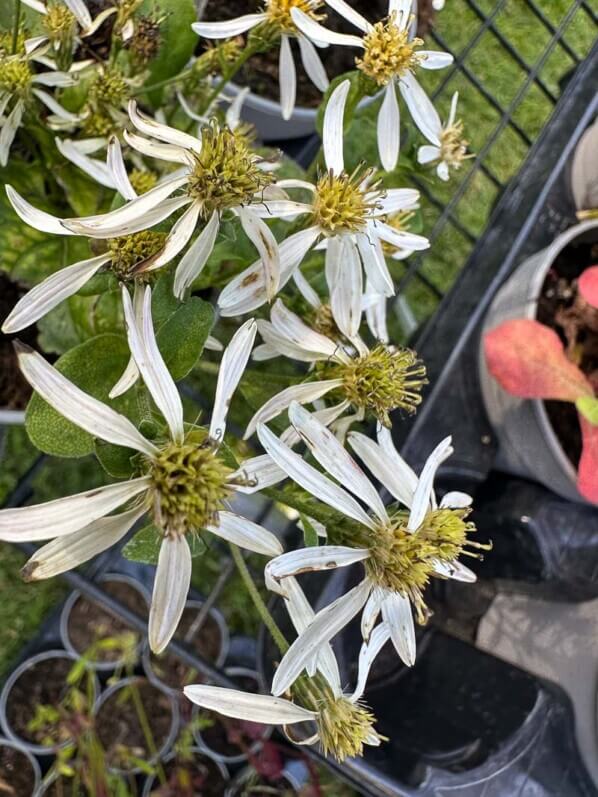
15	33
147	732
243	57
258	601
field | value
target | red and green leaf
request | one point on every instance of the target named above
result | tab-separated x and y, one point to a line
587	476
528	360
588	285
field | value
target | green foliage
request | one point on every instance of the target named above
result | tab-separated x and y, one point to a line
361	87
145	545
310	535
182	336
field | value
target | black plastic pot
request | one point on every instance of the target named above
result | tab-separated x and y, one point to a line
151	783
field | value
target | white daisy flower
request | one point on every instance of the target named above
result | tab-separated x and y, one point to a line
218	173
276	19
389	59
369	382
346	212
448	147
343	725
21	86
400	548
65	22
190	501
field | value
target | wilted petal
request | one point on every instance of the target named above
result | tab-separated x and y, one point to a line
424	493
91	166
149	127
396	612
247	706
118	171
176	241
246	534
264	241
229	28
368	653
9	130
196	256
310	560
157	149
171	587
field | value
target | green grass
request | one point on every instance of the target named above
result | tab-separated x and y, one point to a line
23	607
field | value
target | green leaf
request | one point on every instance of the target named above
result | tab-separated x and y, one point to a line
310	535
182	337
145	545
94	366
117	461
177	40
588	407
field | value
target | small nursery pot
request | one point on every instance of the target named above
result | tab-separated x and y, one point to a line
80	615
217	767
18	768
529	445
242	675
171	674
114	727
290	780
41	688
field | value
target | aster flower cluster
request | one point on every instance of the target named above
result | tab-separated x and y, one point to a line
158	194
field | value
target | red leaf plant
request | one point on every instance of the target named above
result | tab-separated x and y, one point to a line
528	360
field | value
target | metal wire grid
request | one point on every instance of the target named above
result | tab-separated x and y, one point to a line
449	212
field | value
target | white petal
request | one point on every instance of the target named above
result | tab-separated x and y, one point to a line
368	653
212	344
81	12
404	240
247	290
370	613
95	168
9	131
312	480
131	373
313	64
156	149
375	313
279	208
152	367
171	587
149	127
335	459
406	481
334	252
397	199
423	498
82	409
374	263
346	293
345	10
456	500
66	553
304	394
326	624
288	78
434	59
38	219
196	257
308	560
305	289
453	111
176	241
116	167
232	366
233	114
383	467
55	106
247	706
98	21
107	225
455	570
264	241
36	5
318	33
65	515
442	170
288	324
332	136
232	27
48	294
428	153
51	79
245	534
276	344
259	473
420	107
396	612
389	129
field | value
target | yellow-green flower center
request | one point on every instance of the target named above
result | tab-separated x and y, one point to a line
15	76
142	180
109	88
381	381
388	53
344	727
6	42
340	203
226	174
453	147
129	251
59	23
279	13
189	485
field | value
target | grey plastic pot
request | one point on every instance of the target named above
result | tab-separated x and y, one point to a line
151	781
529	446
174	725
234	672
100	666
11	417
37	774
35	749
221	658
